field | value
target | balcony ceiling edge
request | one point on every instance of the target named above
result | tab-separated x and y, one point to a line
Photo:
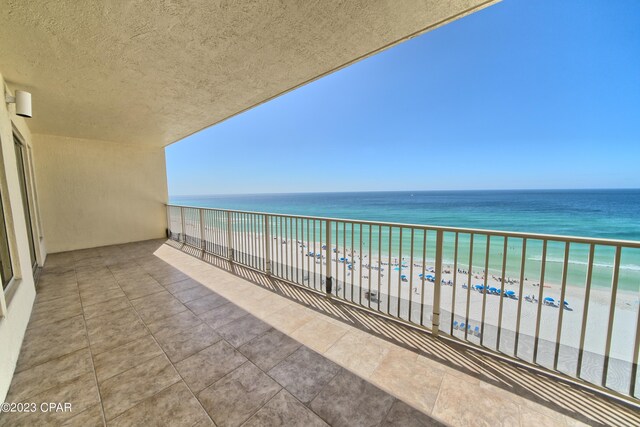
154	73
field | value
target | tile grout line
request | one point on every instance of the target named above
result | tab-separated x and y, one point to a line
282	387
54	358
166	356
88	347
93	366
91	351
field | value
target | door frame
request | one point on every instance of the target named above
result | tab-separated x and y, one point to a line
31	196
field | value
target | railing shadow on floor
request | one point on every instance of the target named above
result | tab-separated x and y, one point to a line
572	400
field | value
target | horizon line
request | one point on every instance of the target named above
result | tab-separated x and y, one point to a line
408	191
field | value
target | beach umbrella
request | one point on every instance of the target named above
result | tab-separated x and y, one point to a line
548	299
403	276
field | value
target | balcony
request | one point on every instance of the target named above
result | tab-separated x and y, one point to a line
158	332
243	318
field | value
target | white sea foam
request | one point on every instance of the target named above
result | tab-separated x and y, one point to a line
632	267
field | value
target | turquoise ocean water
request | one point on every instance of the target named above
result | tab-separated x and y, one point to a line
609	214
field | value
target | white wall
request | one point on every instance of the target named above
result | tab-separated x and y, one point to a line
15	305
96	193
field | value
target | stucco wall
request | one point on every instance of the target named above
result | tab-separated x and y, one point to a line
95	193
16	309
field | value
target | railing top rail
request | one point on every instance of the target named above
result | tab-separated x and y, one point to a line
500	233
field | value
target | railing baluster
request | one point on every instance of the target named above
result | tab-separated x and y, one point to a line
389	273
248	246
224	234
308	257
344	263
280	260
239	234
168	215
244	235
289	232
411	272
502	278
336	269
183	231
229	237
328	278
470	273
217	235
315	248
565	267
520	296
351	258
241	251
379	264
215	232
202	233
255	245
399	272
267	245
486	284
424	266
209	232
360	268
295	251
251	254
370	275
435	322
540	299
217	229
455	282
283	249
612	310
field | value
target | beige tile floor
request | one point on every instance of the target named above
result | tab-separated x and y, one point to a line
150	334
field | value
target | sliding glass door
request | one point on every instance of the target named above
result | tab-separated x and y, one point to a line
24	189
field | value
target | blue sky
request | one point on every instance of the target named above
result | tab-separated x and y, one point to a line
524	94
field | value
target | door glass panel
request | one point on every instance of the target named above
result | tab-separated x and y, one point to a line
25	198
6	270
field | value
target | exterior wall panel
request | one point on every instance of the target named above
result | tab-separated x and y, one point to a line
95	193
16	302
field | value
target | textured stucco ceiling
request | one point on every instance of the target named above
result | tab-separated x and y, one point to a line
153	72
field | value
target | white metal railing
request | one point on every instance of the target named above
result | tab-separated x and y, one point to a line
567	304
